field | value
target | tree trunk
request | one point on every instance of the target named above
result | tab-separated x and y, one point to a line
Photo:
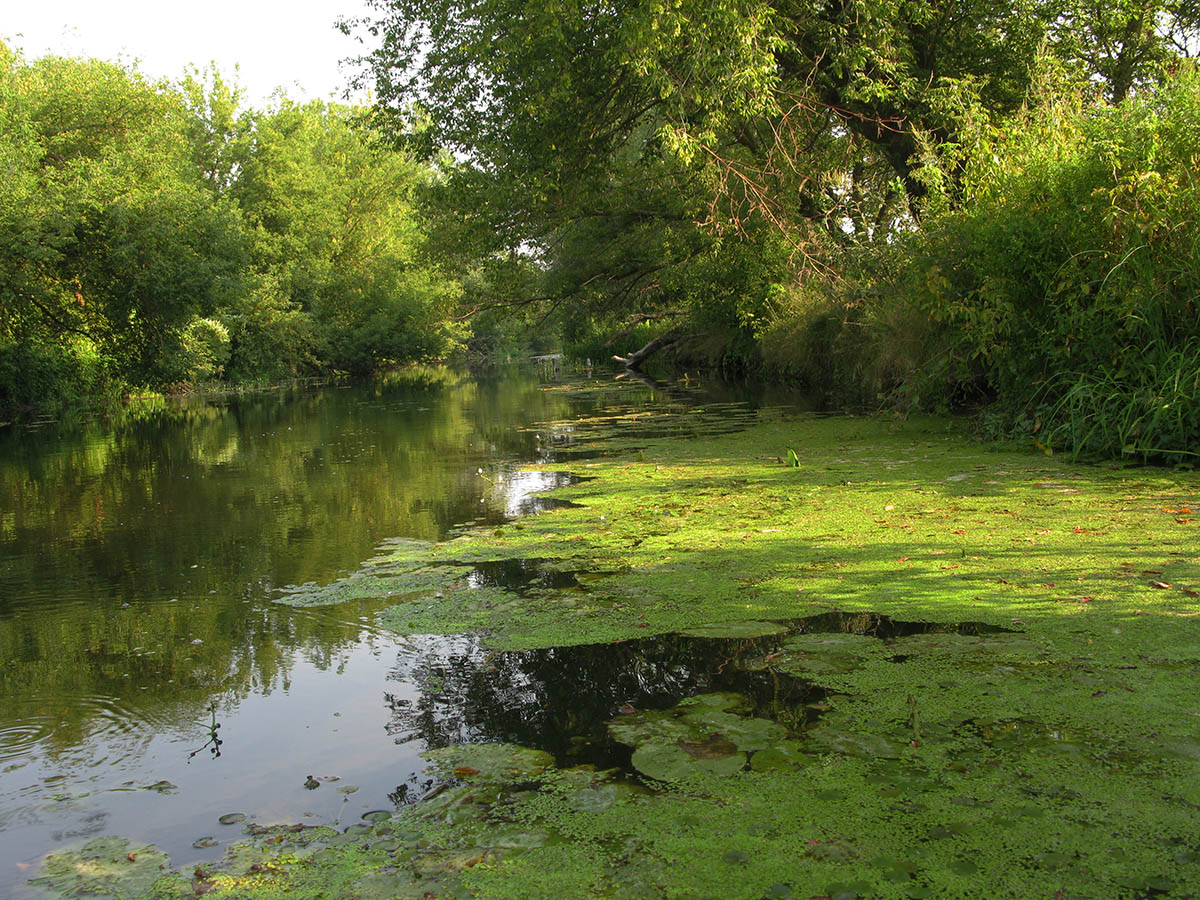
634	360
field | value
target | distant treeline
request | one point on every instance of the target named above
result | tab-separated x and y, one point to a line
157	235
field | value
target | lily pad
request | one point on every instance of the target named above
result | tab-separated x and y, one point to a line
845	642
698	721
713	747
825	663
667	762
232	818
821	653
854	743
706	733
749	629
747	733
594	799
951	644
651	726
488	762
780	756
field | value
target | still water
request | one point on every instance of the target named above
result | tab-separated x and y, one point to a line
139	561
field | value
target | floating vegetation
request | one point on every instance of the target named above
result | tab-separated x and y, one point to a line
488	762
561	699
735	630
706	733
626	700
104	867
984	648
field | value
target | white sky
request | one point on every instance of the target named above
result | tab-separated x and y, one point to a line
276	43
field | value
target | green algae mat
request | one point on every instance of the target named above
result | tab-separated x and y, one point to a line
890	663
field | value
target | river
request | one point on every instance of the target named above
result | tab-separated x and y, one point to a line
139	562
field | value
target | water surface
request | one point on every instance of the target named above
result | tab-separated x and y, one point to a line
138	564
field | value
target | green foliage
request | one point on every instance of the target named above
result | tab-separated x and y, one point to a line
1063	286
335	236
1070	281
710	167
175	238
72	372
205	349
108	237
1150	411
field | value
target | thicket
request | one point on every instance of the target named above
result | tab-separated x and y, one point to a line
156	235
1061	288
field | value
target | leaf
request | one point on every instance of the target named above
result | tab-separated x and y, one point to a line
666	762
849	743
715	746
494	762
1161	585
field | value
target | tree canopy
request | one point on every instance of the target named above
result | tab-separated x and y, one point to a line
153	234
613	141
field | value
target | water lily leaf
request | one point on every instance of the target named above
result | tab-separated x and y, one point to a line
780	756
951	644
667	762
651	726
846	642
232	818
594	799
389	886
748	629
491	762
1183	748
723	701
512	837
748	734
819	663
714	747
851	743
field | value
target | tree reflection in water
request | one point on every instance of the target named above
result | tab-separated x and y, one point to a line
560	699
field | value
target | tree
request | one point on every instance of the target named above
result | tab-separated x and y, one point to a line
617	141
107	235
337	245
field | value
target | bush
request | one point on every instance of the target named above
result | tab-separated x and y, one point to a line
1066	284
35	376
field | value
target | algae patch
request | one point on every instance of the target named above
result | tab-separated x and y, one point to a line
104	867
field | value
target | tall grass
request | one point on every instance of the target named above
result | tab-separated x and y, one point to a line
1152	413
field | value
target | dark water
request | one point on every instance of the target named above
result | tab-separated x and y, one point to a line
138	561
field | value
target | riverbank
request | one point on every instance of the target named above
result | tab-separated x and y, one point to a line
963	672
